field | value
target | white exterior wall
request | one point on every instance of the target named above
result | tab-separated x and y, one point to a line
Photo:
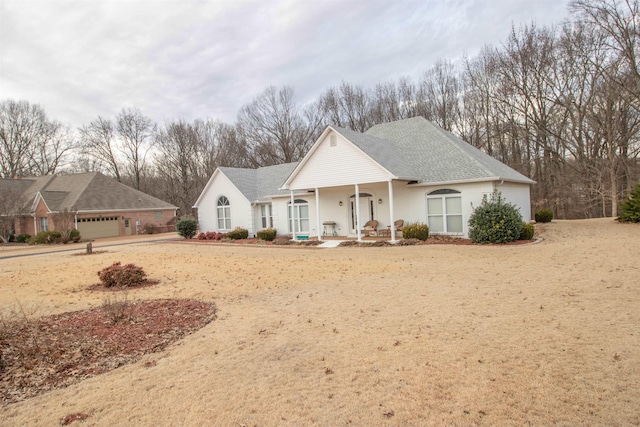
220	185
519	195
342	164
411	202
280	216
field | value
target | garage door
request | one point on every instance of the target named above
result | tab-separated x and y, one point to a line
93	228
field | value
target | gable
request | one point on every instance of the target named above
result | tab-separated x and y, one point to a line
219	185
335	161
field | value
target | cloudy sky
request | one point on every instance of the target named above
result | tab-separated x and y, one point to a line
196	59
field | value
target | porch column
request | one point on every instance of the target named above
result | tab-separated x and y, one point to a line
318	214
391	214
293	217
358	227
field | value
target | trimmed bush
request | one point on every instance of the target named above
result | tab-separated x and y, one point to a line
23	238
415	231
630	208
528	230
74	235
187	227
122	276
495	221
544	215
40	238
238	234
268	234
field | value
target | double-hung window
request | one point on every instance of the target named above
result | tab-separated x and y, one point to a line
444	211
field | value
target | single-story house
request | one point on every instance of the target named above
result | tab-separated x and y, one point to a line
96	205
410	169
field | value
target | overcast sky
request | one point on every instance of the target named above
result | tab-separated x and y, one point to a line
197	59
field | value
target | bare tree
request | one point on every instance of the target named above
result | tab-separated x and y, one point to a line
98	143
135	131
30	143
440	91
617	21
274	128
10	204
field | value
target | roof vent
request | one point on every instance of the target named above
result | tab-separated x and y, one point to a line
333	140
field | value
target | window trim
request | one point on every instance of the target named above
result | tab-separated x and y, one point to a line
223	213
443	195
297	204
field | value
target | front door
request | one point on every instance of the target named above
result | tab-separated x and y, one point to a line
127	226
366	211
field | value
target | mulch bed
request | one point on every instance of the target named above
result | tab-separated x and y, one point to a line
38	355
103	288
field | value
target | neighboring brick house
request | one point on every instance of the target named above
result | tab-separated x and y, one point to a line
98	206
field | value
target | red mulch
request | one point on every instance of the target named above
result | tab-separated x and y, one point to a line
56	351
103	288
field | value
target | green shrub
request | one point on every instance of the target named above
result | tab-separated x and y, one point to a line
528	230
40	238
268	234
630	208
544	215
238	234
495	221
122	276
187	227
74	235
415	231
54	237
23	238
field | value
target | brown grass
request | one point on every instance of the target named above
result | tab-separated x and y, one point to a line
418	335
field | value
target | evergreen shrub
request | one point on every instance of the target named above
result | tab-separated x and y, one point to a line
544	215
415	231
187	227
23	238
630	208
495	221
238	234
528	230
268	234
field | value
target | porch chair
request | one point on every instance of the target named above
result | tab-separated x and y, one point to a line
370	228
397	226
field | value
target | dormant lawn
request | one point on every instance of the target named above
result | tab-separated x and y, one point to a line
420	335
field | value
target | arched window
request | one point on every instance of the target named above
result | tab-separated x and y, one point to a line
224	213
444	211
299	215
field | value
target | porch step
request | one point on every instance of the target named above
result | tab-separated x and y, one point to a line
330	243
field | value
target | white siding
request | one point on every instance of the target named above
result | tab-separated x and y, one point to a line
241	215
517	194
342	164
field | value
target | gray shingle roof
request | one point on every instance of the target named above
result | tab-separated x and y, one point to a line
383	151
434	154
82	192
257	184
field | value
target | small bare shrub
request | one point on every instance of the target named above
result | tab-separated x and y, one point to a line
117	308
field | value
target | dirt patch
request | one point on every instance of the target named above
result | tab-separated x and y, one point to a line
56	351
